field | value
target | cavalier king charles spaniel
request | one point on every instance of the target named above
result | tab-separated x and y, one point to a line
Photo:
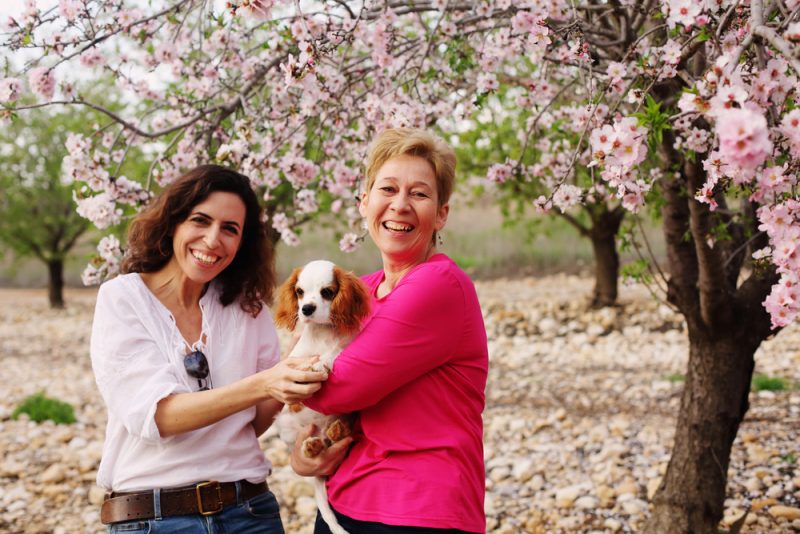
330	304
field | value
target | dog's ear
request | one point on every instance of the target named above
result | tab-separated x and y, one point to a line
286	312
351	304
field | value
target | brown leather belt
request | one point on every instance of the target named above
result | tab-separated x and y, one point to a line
205	498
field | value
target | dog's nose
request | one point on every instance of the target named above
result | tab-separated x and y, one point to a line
308	309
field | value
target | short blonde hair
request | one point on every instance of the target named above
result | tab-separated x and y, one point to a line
414	142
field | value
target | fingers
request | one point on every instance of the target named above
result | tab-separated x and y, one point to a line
300	370
305	433
338	450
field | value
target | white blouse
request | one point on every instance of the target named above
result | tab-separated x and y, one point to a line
137	355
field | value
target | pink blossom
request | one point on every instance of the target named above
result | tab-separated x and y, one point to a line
773	181
42	82
743	137
164	53
523	22
671	52
349	242
790	128
616	70
682	12
306	201
10	90
299	171
69	9
706	195
100	209
92	58
729	97
499	173
566	196
487	82
792	32
542	205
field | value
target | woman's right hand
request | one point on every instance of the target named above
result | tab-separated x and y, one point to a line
291	380
325	463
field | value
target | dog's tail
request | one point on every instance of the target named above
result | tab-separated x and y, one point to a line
321	495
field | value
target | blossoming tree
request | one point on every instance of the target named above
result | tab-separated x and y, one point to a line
291	92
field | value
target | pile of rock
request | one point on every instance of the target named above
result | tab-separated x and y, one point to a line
579	420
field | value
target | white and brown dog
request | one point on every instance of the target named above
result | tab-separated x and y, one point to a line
330	304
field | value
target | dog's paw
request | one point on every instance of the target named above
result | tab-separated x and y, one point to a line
320	367
295	407
312	447
337	430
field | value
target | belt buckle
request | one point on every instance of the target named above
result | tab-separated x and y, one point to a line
198	492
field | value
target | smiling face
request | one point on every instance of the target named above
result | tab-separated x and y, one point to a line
207	241
402	210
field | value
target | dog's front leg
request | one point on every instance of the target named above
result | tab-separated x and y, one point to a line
325	362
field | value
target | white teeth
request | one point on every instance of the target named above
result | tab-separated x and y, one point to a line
397	227
204	258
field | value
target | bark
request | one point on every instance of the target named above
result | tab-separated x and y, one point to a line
713	404
726	324
606	259
56	283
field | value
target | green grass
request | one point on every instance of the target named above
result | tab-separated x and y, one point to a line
40	408
676	377
769	383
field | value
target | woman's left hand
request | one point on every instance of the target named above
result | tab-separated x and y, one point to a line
323	464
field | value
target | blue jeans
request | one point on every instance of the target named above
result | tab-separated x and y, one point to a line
259	515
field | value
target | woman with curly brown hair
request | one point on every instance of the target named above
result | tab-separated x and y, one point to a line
186	357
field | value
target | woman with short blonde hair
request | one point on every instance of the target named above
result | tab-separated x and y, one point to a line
416	374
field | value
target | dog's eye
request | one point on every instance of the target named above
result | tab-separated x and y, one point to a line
298	292
327	293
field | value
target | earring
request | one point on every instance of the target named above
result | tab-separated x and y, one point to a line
364	224
439	240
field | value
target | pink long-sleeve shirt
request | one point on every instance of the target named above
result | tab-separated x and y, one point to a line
417	376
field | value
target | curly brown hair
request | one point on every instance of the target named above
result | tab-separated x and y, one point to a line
251	275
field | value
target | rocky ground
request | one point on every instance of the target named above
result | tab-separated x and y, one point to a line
578	425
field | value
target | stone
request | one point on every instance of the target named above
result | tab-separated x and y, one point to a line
565	497
306	506
54	473
523	470
775	492
758	504
587	502
652	487
753	485
97	495
787	512
634	506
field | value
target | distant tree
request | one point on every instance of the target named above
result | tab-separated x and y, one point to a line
501	137
38	216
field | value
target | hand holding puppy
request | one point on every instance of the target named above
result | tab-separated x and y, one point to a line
292	380
323	464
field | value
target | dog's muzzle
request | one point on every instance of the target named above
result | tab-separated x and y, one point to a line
308	309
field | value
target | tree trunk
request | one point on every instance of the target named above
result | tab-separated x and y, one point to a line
606	271
714	402
603	235
56	283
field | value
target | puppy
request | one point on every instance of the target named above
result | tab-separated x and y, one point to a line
331	305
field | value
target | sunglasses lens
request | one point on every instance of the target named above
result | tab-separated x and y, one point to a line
196	364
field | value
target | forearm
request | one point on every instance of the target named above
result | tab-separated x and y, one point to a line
185	412
283	383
